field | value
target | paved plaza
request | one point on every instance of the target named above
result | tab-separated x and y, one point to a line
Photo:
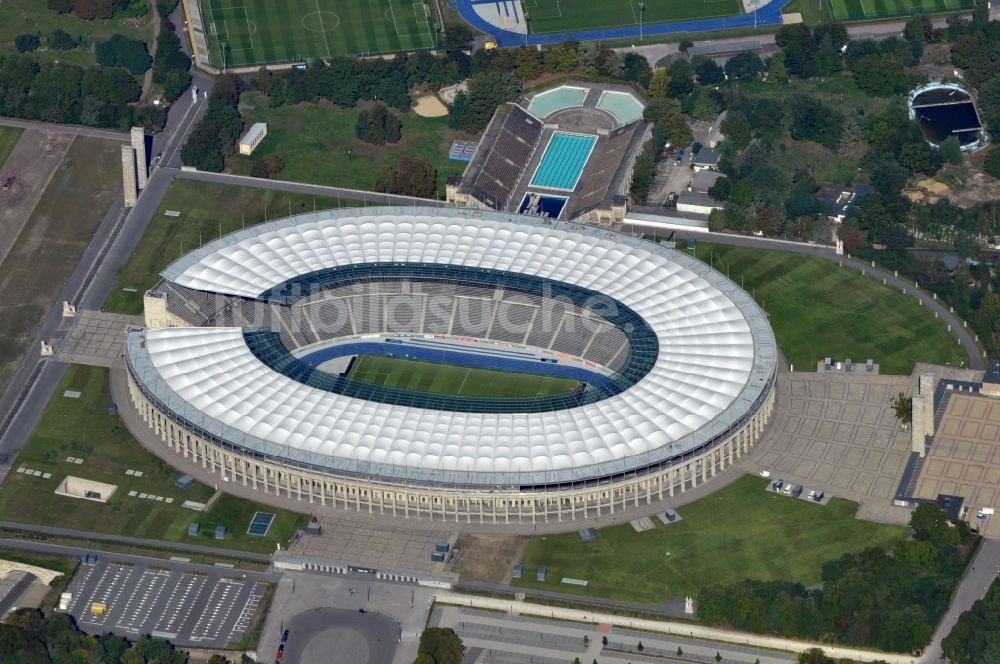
837	431
363	543
96	338
193	606
965	457
299	593
496	638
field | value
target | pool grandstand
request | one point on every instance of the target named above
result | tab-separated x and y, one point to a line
563	153
243	369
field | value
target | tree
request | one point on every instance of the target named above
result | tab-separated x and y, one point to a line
777	69
61	6
815	656
951	150
736	129
26	43
879	75
658	84
680	653
472	110
378	125
722	189
744	67
604	640
266	166
681	79
718	656
441	645
640	647
808	119
920	158
217	659
992	162
708	72
61	40
457	37
121	51
903	406
888	178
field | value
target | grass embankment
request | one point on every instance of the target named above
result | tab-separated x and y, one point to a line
314	138
818	309
49	247
81	428
740	532
455	380
9	136
18	17
207	210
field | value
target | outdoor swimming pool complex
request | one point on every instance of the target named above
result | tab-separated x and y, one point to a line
563	162
565	96
622	105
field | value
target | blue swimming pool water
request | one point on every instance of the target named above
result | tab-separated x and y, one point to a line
563	161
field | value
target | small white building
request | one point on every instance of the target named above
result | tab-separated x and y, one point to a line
698	203
253	137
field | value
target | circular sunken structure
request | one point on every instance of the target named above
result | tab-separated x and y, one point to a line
677	363
945	109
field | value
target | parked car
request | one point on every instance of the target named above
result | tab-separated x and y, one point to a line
765	473
812	494
777	484
787	490
818	497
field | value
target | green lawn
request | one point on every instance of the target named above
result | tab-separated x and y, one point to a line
740	532
253	32
33	16
314	141
206	210
455	380
857	10
81	428
560	15
9	137
818	310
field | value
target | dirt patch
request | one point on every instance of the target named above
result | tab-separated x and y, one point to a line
46	251
933	186
489	558
31	163
429	106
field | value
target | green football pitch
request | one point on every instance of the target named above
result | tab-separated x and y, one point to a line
562	15
254	32
453	379
856	10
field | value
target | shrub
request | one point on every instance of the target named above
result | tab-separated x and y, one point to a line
121	51
60	40
26	43
61	6
992	163
266	166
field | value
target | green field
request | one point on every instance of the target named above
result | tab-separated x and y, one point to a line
9	137
452	379
858	10
32	16
202	219
562	15
818	310
255	32
314	140
740	532
81	428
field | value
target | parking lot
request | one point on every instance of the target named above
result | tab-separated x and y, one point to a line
191	605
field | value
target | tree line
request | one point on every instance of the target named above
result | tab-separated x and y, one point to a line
889	600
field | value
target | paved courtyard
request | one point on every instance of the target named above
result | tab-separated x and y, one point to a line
965	457
194	606
837	431
363	543
96	338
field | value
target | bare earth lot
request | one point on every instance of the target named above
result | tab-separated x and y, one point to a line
48	248
32	163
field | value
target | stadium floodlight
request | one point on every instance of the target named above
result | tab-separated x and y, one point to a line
642	10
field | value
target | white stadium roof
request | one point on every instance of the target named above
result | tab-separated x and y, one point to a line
716	353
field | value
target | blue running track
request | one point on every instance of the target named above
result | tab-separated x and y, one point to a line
770	14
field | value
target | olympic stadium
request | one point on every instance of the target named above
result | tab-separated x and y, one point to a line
658	371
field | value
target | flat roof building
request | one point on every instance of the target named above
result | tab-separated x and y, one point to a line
255	134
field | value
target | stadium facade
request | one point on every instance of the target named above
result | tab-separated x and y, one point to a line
240	368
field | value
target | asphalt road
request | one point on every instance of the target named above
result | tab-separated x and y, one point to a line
339	636
136	541
966	337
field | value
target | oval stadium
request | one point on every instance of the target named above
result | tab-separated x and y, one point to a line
434	363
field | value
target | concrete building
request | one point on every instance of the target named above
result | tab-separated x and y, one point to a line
704	180
129	176
142	165
706	158
697	203
255	134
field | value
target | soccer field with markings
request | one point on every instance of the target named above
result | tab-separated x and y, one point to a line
453	379
561	15
254	32
855	10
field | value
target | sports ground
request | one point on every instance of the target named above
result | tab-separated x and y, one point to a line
453	379
547	16
856	10
252	32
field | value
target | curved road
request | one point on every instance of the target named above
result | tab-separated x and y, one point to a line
340	636
965	337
